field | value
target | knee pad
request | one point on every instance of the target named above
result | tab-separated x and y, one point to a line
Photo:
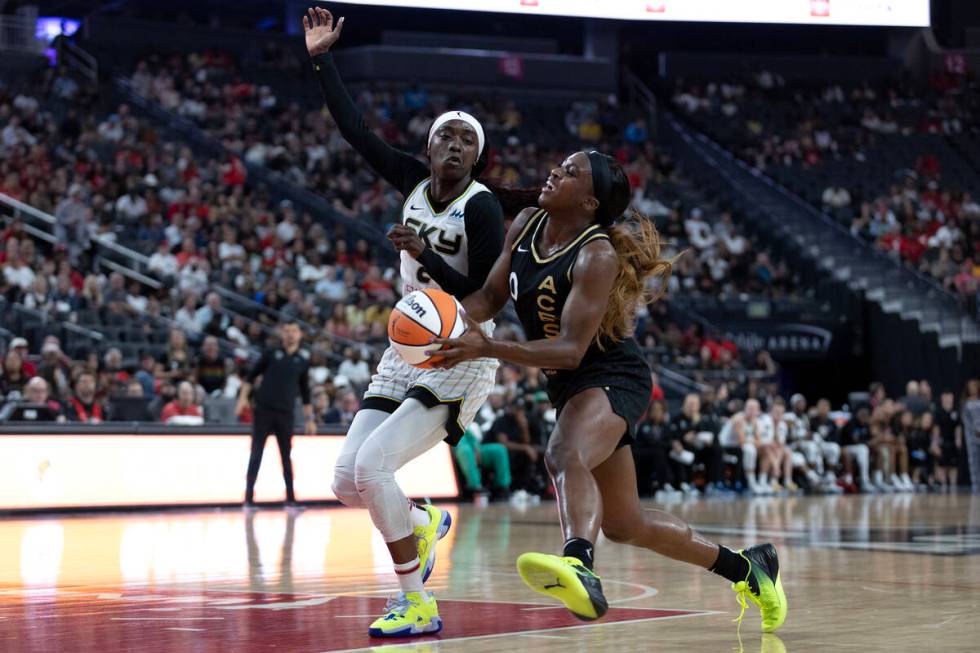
344	488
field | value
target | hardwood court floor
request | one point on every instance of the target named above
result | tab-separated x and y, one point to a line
879	573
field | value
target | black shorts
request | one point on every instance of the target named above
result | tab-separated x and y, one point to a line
625	377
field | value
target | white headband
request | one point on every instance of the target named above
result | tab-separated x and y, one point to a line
465	117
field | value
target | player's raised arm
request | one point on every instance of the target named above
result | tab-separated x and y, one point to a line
400	169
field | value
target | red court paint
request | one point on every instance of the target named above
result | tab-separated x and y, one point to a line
116	620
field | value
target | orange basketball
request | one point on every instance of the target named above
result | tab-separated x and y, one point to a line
420	316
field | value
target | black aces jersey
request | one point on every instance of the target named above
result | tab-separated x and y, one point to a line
539	286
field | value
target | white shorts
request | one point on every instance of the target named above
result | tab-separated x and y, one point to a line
463	388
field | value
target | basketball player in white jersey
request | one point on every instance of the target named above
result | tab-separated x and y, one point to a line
451	233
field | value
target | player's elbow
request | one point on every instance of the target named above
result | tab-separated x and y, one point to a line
571	358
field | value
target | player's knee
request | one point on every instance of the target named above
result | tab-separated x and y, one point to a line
367	474
343	486
558	458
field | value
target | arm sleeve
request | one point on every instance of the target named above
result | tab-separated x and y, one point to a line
304	385
400	169
258	368
485	240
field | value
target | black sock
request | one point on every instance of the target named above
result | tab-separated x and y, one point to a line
581	548
730	565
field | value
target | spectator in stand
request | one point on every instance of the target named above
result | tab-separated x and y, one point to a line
178	364
36	405
211	318
163	262
133	406
16	271
209	372
344	409
14	377
354	367
19	345
913	399
694	432
183	407
54	368
836	197
83	406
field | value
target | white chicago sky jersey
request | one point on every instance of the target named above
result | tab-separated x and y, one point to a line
444	232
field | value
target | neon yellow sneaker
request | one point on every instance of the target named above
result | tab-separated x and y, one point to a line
408	614
435	530
763	586
565	579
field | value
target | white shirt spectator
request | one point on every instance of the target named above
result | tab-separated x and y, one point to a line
836	197
313	273
185	319
13	134
945	236
112	129
137	302
231	255
163	263
20	275
332	289
286	231
132	206
357	372
193	278
698	231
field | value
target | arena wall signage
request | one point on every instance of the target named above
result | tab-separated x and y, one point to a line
893	13
98	470
781	339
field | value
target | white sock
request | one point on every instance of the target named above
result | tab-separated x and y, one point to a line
419	517
409	576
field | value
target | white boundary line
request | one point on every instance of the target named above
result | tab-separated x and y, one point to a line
436	641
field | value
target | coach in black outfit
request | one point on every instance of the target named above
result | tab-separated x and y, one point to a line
285	373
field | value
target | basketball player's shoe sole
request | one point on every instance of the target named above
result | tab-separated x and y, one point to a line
428	535
763	586
565	579
407	615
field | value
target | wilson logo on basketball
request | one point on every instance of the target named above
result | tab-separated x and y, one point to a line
418	318
415	306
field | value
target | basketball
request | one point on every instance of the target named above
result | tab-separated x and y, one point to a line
420	316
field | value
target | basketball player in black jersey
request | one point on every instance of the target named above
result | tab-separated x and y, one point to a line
577	273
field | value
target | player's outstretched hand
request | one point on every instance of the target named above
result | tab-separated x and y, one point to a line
406	239
472	344
320	31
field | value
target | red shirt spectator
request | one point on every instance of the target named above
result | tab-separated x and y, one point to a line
182	406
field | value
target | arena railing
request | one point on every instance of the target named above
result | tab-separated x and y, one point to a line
135	266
